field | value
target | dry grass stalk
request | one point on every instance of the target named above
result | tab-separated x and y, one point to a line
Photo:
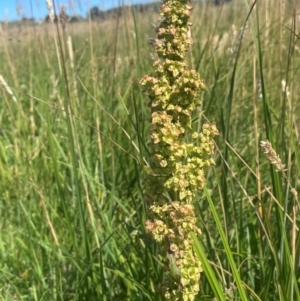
8	57
71	55
50	9
7	88
63	16
51	15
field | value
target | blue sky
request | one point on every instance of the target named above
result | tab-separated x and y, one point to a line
39	9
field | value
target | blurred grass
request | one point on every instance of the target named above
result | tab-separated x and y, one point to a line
72	148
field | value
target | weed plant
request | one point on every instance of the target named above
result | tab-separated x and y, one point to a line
73	143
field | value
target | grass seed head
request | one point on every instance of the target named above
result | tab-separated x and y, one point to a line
272	156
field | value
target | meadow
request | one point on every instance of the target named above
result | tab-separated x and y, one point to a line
74	141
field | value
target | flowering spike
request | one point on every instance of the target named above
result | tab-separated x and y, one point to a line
177	168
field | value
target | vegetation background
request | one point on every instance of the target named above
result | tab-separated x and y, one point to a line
73	141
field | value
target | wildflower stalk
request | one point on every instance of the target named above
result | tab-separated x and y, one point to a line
177	168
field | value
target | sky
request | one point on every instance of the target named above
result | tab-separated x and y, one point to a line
38	8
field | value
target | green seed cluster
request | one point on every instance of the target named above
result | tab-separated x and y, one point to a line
177	168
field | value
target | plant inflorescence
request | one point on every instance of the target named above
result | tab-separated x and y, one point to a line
177	168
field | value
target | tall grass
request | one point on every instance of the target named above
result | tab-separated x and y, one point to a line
73	145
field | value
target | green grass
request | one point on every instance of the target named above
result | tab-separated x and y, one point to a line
72	149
